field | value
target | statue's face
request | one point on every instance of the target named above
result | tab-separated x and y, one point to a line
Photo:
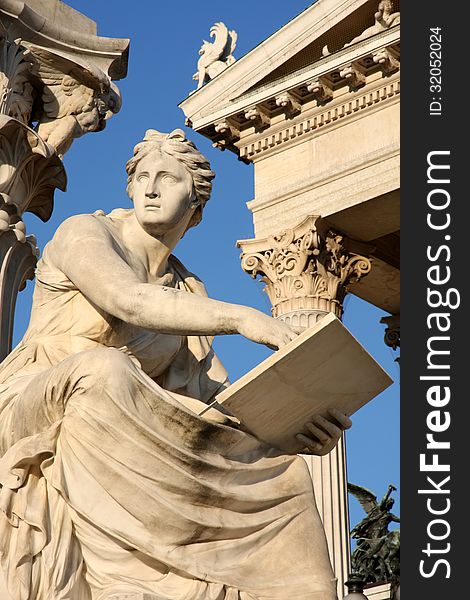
163	193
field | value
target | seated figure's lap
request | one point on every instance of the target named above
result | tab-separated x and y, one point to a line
46	395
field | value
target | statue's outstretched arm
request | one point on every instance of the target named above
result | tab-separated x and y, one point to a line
89	256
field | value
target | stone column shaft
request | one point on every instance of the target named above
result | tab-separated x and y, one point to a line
307	270
329	482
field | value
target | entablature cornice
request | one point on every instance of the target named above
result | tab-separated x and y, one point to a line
328	90
317	119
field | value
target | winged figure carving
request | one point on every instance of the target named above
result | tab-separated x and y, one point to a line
376	557
216	56
76	99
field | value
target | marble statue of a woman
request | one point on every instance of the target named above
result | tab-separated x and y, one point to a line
111	486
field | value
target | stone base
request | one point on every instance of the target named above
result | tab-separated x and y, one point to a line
379	592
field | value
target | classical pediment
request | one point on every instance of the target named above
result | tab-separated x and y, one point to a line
307	59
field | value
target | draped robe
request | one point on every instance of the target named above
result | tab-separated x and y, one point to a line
111	487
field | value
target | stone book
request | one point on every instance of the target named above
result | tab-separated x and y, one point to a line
324	367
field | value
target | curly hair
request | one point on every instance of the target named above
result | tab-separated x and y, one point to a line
176	145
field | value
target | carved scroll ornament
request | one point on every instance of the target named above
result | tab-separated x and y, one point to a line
392	331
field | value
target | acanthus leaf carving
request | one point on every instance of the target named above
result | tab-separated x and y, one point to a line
30	171
354	77
228	133
306	268
257	117
18	259
289	104
16	91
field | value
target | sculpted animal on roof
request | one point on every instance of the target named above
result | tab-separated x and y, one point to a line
216	56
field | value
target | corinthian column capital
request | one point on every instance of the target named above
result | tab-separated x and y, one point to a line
306	269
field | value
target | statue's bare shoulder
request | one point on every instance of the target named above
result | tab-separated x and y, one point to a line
87	249
89	237
81	230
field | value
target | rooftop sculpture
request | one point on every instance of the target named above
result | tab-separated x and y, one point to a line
384	18
215	56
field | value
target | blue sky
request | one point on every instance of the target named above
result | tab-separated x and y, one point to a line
165	38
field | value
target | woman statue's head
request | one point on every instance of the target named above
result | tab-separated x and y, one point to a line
177	146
